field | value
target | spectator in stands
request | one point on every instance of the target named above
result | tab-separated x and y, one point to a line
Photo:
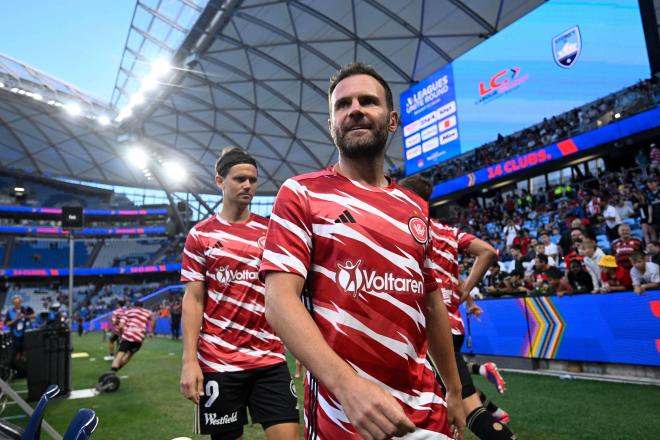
510	232
653	252
591	257
624	208
580	279
642	208
557	284
175	315
494	281
18	319
539	276
551	249
645	275
653	200
655	157
612	219
615	278
642	160
518	258
539	248
625	245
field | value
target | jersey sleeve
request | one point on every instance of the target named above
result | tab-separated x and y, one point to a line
193	263
464	239
288	245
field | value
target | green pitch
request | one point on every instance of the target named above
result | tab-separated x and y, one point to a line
148	404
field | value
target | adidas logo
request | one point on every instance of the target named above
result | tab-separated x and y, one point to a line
217	244
345	217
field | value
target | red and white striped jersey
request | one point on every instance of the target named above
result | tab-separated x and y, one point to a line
116	318
235	335
364	254
448	242
135	322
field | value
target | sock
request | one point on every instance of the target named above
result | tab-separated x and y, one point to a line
473	367
485	401
483	425
114	369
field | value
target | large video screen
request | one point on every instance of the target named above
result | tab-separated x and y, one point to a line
560	56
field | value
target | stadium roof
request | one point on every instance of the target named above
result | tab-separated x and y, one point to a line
251	73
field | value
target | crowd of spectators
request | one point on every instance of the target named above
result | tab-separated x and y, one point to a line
594	234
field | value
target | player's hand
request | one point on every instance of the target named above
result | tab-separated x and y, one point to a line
192	381
456	414
374	413
475	310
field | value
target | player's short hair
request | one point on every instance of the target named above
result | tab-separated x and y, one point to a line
420	185
138	303
543	258
636	256
121	303
359	68
17	296
231	156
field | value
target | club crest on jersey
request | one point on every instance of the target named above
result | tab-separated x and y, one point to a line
261	242
418	229
566	47
349	277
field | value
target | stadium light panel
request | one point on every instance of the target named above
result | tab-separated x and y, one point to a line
138	158
103	120
19	189
37	96
2	85
73	109
617	115
149	82
174	171
160	67
136	99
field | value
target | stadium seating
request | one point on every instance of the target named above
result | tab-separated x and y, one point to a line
128	252
32	253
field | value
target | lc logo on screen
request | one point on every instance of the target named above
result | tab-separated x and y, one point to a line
566	47
500	83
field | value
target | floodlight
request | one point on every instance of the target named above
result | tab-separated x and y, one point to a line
617	115
138	158
149	82
160	67
174	171
37	96
2	85
19	189
136	99
73	109
103	120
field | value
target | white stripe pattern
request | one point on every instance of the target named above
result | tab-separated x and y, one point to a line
225	323
299	232
250	307
339	317
192	275
215	340
282	260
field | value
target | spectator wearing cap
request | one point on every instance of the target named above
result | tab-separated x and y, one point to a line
645	275
625	245
615	278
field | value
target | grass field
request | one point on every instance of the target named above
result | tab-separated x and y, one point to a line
148	404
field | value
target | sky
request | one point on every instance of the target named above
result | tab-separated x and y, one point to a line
77	41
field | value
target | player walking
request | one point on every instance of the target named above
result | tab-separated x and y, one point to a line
235	362
356	244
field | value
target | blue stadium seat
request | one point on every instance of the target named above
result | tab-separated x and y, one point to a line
82	426
33	428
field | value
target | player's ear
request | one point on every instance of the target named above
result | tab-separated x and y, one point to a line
220	182
394	121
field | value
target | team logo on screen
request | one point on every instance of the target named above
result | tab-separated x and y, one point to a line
566	47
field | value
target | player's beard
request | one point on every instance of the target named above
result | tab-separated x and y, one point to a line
370	145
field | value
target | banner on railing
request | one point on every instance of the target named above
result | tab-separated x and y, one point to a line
613	328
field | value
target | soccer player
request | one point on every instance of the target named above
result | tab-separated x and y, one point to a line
133	327
448	243
232	359
357	245
115	335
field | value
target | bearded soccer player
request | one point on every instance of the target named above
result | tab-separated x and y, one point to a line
133	327
236	362
356	245
448	243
